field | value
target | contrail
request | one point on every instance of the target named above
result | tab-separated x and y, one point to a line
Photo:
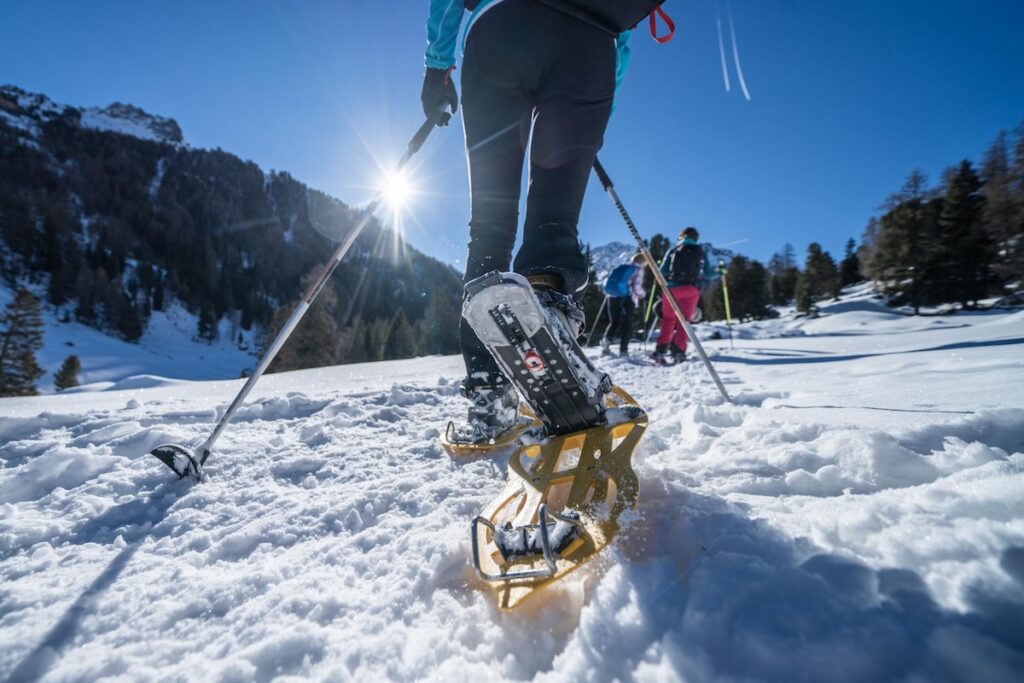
736	55
721	47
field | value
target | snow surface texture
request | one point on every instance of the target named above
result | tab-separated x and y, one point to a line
856	515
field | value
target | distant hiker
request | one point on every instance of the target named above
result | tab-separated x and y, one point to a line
625	290
542	73
685	268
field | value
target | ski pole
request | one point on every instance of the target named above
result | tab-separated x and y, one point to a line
596	319
184	462
606	182
650	299
725	293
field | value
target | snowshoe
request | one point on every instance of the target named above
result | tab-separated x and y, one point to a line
561	505
532	336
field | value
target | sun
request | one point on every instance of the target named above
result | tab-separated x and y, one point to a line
397	190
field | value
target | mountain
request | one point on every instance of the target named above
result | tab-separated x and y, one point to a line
30	111
112	217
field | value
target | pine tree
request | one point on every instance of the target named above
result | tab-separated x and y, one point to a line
158	294
782	276
868	246
960	250
401	339
901	261
314	342
206	325
67	376
1003	216
441	324
821	273
21	335
849	267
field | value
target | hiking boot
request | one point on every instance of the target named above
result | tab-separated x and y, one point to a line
660	355
493	410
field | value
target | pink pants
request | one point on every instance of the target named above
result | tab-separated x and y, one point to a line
671	330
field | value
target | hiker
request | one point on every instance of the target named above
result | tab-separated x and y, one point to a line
625	290
537	73
685	268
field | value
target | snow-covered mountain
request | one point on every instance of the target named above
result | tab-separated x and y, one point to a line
27	111
855	515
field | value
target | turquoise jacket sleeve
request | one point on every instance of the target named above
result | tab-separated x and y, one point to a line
622	57
443	32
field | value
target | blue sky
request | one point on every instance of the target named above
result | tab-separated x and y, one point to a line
847	98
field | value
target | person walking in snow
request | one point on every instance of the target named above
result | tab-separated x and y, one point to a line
625	290
528	67
685	268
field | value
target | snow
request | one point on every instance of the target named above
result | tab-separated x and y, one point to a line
168	349
129	120
854	515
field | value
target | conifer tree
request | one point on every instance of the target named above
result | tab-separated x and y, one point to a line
849	267
1003	215
901	260
441	324
783	274
959	251
401	339
67	376
21	335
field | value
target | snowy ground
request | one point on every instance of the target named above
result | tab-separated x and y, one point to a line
856	515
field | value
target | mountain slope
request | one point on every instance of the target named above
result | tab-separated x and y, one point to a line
855	515
113	217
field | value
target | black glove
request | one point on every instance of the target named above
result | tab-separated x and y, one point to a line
439	92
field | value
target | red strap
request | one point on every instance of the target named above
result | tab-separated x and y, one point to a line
671	25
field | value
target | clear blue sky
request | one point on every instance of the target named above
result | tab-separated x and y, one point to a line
848	97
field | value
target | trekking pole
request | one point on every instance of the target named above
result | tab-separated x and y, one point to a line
725	293
598	318
650	299
606	182
185	462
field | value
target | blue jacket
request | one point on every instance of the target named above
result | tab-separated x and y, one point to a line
443	30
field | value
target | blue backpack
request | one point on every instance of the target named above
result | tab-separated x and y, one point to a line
617	284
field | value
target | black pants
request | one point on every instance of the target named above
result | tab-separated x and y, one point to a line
529	67
621	311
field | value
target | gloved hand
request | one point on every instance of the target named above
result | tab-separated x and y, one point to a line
438	92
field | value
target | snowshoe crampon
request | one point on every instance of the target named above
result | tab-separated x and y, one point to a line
561	504
458	448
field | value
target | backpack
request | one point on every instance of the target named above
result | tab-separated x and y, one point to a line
617	284
616	16
687	264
